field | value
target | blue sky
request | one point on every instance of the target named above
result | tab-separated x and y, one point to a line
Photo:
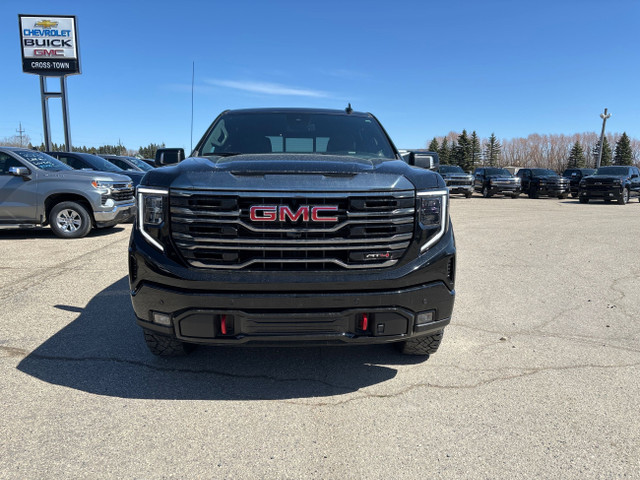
423	68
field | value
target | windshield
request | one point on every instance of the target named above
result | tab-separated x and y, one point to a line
450	169
296	132
42	160
497	171
543	172
140	164
100	164
618	171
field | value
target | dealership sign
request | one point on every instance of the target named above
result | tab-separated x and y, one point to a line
49	45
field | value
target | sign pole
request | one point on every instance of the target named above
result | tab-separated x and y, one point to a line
45	113
65	113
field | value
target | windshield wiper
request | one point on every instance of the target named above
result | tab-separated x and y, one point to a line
222	154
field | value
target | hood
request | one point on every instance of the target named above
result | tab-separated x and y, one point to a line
456	175
135	177
298	172
86	174
601	177
501	177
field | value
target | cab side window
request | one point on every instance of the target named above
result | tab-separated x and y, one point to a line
6	162
72	162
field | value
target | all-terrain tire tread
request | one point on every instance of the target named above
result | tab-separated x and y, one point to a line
423	345
165	346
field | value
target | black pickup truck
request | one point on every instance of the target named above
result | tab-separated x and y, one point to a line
457	180
292	226
542	181
490	181
575	175
618	183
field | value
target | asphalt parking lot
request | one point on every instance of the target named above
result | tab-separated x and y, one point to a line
537	376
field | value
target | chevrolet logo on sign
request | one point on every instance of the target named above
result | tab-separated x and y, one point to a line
46	24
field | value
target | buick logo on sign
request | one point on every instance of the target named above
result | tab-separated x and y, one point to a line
282	213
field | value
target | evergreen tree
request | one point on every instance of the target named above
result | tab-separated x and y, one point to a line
462	155
576	157
492	151
476	151
624	154
150	150
444	153
607	154
433	146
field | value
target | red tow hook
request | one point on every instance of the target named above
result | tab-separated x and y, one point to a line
223	324
364	322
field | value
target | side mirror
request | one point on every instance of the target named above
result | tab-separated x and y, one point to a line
19	171
169	156
422	160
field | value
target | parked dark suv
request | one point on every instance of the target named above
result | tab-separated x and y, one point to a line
575	175
86	161
542	181
128	163
611	183
490	181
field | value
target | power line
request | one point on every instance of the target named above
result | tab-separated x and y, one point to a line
21	135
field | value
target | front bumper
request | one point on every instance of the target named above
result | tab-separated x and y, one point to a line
465	189
553	190
499	189
325	307
118	214
608	192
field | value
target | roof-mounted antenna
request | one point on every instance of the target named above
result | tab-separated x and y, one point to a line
348	109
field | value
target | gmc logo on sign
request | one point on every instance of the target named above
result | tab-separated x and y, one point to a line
274	213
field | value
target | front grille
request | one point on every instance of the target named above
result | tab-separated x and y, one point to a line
120	192
504	183
457	181
214	230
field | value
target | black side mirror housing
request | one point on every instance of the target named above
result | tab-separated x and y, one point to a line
169	156
422	159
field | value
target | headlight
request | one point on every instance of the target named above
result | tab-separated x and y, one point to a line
517	179
433	216
152	203
102	187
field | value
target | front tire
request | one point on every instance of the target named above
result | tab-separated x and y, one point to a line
468	194
424	345
165	346
69	220
584	200
486	193
624	197
533	193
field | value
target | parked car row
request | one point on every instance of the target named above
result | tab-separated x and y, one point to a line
608	183
38	189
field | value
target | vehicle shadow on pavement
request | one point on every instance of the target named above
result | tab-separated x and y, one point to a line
103	352
41	232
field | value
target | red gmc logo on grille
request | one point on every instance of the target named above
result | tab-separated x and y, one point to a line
274	213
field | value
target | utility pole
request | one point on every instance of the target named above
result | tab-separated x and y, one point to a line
604	117
21	135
